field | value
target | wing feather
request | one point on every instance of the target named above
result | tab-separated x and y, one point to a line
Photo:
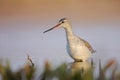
88	46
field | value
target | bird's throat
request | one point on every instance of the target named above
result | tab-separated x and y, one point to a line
69	33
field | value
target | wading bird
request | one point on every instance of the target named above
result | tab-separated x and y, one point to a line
79	49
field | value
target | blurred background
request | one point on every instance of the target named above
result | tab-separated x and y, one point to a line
22	23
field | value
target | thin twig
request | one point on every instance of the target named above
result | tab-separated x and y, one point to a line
29	59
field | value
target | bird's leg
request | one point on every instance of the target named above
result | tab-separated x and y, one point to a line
79	60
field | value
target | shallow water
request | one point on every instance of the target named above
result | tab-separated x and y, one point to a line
16	43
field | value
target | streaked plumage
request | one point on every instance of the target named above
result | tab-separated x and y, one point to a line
78	48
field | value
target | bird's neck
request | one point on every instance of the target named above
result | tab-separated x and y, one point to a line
69	32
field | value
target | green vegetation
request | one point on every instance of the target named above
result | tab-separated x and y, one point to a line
62	72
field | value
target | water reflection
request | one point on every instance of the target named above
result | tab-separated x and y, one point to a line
79	66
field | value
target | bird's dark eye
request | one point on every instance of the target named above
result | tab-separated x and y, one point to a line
62	21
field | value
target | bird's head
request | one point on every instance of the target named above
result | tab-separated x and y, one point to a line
62	23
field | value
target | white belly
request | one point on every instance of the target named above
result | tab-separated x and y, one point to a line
78	52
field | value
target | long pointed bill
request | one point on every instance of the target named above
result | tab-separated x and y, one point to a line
52	28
